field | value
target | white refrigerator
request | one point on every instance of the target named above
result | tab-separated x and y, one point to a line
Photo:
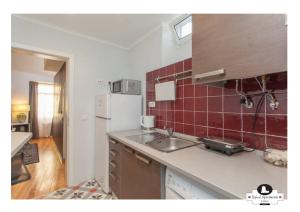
113	112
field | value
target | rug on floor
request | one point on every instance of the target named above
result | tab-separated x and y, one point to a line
86	190
30	154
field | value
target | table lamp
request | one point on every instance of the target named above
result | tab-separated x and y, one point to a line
21	111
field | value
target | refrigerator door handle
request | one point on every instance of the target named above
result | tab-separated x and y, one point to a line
101	117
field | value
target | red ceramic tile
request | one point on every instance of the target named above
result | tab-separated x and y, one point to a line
277	142
163	105
179	67
234	135
158	105
188	64
232	121
170	105
200	90
159	124
191	116
180	82
170	116
187	81
163	72
282	108
201	118
179	116
170	69
276	125
157	114
277	81
179	92
255	100
214	104
201	104
188	129
230	87
188	90
179	104
250	85
232	104
214	133
178	128
188	104
150	96
163	115
215	120
188	117
214	91
151	112
149	76
170	124
252	140
200	131
248	122
155	74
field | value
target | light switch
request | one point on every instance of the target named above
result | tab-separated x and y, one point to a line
151	104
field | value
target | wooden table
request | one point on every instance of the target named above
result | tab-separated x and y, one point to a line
18	139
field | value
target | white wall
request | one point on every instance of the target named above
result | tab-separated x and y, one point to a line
20	85
157	50
92	61
97	61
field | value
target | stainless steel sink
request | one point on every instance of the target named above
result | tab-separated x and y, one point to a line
162	142
170	144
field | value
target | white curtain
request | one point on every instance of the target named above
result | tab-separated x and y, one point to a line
45	109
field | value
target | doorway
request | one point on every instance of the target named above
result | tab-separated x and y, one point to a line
50	172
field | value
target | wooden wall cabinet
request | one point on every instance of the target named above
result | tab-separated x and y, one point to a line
132	174
243	45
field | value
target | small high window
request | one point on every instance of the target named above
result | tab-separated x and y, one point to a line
182	28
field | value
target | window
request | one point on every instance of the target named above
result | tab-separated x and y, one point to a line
182	28
45	109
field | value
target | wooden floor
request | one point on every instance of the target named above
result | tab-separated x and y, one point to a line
46	176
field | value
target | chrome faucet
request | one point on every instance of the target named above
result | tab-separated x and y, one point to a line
169	130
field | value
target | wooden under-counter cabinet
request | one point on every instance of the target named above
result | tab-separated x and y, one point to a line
134	175
243	45
115	166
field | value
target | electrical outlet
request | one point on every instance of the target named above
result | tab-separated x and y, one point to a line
151	104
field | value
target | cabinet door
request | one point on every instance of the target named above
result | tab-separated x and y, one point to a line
140	176
243	45
114	166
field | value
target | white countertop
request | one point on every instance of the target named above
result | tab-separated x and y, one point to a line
18	139
232	176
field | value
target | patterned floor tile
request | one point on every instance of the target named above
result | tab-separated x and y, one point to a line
89	189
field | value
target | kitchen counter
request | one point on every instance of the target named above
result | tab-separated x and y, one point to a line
232	176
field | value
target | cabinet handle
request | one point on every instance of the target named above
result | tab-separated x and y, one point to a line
144	160
127	149
113	164
112	152
114	177
210	74
112	141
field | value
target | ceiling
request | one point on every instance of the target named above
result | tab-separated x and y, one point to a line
36	63
123	30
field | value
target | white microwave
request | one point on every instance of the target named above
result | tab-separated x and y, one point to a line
127	86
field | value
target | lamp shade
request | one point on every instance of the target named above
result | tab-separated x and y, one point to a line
20	108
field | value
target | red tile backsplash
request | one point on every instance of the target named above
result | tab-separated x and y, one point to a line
204	110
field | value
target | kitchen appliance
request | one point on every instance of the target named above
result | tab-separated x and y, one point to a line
227	146
147	122
127	86
179	186
113	112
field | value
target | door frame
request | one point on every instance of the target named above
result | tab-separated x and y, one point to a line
69	95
